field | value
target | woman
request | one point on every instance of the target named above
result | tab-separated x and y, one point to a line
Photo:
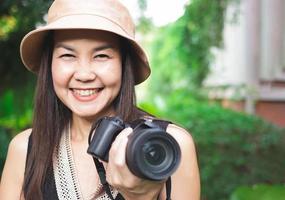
87	63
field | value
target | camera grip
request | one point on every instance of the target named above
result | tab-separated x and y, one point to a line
103	136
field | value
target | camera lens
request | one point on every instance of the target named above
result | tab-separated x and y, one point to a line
154	153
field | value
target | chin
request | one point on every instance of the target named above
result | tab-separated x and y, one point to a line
85	114
90	114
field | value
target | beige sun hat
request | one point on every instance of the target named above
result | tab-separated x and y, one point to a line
107	15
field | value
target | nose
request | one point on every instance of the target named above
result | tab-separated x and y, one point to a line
84	74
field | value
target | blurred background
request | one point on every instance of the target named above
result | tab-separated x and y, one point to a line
218	69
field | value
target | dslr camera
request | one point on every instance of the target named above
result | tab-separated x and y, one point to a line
151	152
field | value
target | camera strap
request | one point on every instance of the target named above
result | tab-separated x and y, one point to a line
102	175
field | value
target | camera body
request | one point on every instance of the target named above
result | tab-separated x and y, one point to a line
151	152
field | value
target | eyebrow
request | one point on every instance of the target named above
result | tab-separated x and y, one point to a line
99	48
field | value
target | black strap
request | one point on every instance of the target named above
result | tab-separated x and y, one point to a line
168	189
162	123
102	175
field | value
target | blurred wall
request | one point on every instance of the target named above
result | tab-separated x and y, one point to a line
250	69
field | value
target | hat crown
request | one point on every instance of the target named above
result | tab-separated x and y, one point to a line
112	10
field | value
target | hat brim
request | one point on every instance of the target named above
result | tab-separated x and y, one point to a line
32	43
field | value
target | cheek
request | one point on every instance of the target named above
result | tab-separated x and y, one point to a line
111	75
60	74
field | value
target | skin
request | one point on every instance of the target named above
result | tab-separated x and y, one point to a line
86	70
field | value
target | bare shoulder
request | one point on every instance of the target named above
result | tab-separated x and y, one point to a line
17	151
14	168
187	146
18	147
186	179
182	136
19	143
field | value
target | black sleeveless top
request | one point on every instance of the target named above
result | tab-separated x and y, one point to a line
49	187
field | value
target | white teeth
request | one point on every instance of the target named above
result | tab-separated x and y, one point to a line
84	92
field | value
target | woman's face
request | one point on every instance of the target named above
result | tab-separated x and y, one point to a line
86	71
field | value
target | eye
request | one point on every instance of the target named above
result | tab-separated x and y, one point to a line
66	55
101	57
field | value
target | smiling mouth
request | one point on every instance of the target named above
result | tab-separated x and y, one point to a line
86	92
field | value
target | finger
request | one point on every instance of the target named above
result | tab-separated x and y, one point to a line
117	160
123	135
121	175
118	150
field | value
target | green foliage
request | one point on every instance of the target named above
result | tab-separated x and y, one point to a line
233	148
181	51
260	192
17	83
17	18
4	141
15	111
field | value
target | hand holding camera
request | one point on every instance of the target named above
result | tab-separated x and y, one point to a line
151	152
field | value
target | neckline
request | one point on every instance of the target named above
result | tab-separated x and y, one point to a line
73	170
64	171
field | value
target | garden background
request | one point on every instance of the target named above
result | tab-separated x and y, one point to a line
241	156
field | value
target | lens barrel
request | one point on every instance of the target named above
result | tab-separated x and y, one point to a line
152	154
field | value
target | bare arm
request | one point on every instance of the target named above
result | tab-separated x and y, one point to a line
14	168
186	179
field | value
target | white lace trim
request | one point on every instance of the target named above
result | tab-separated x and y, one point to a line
66	182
